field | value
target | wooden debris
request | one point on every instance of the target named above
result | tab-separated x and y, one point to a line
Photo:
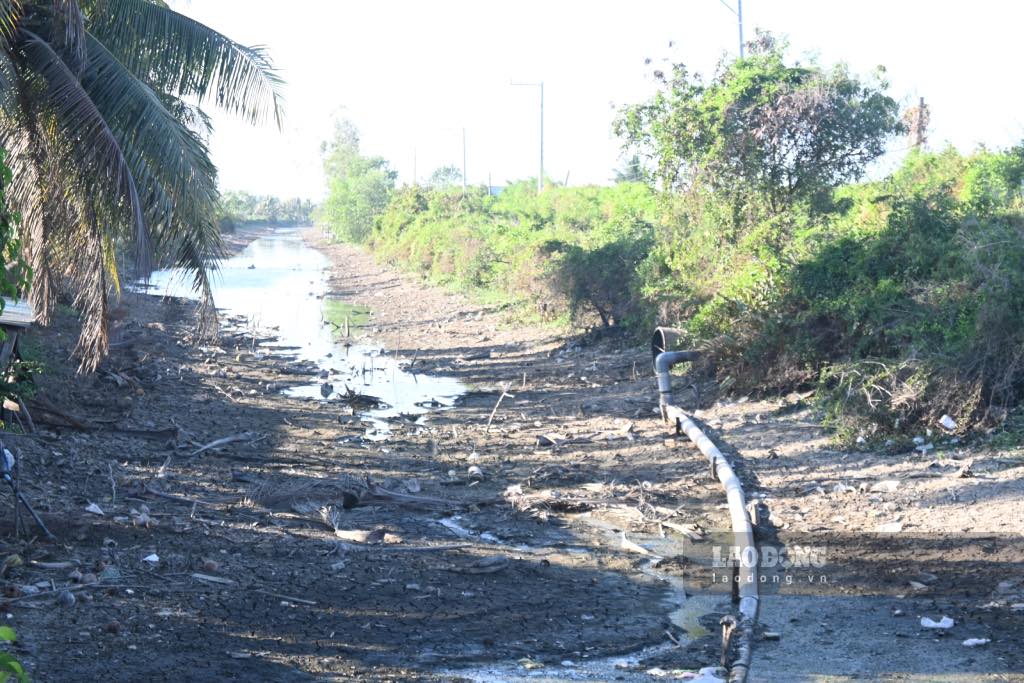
212	579
224	441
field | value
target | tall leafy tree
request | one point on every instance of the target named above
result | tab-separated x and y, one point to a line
358	187
101	110
761	130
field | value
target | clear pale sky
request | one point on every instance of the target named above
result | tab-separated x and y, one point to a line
411	75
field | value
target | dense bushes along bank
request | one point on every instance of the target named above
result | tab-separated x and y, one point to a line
900	300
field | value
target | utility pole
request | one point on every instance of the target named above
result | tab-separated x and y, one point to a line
540	175
739	15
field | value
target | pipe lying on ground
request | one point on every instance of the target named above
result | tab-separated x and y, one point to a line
741	526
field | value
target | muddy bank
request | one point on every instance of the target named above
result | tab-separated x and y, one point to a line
483	541
216	559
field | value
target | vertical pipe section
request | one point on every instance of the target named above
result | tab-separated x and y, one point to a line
742	529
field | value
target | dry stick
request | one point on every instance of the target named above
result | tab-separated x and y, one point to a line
41	594
504	393
230	397
282	596
28	416
403	548
113	484
180	499
224	441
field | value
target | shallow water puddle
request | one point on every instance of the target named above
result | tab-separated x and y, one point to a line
278	283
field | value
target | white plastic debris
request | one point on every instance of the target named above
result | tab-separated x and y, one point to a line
153	558
94	509
8	460
453	526
944	622
925	447
976	642
918	440
708	674
947	422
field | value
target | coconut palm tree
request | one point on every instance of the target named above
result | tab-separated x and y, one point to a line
101	111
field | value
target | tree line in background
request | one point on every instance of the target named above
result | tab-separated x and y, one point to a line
241	208
742	218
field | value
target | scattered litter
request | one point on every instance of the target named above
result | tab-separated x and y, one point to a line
110	574
772	635
94	509
546	440
451	525
632	547
918	440
943	623
975	642
691	531
152	558
947	422
529	664
843	488
412	485
475	472
708	674
924	448
361	535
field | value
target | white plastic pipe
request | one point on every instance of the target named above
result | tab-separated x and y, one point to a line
741	527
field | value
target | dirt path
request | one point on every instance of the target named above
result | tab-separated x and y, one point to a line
514	565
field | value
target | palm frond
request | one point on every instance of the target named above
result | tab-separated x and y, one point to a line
9	11
90	286
7	80
69	31
182	56
175	157
83	125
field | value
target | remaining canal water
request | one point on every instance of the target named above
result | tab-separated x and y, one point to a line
280	285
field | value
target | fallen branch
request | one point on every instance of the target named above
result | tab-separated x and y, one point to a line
504	393
282	596
179	499
377	491
403	548
224	441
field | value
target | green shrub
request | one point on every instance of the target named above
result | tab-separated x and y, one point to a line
567	252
